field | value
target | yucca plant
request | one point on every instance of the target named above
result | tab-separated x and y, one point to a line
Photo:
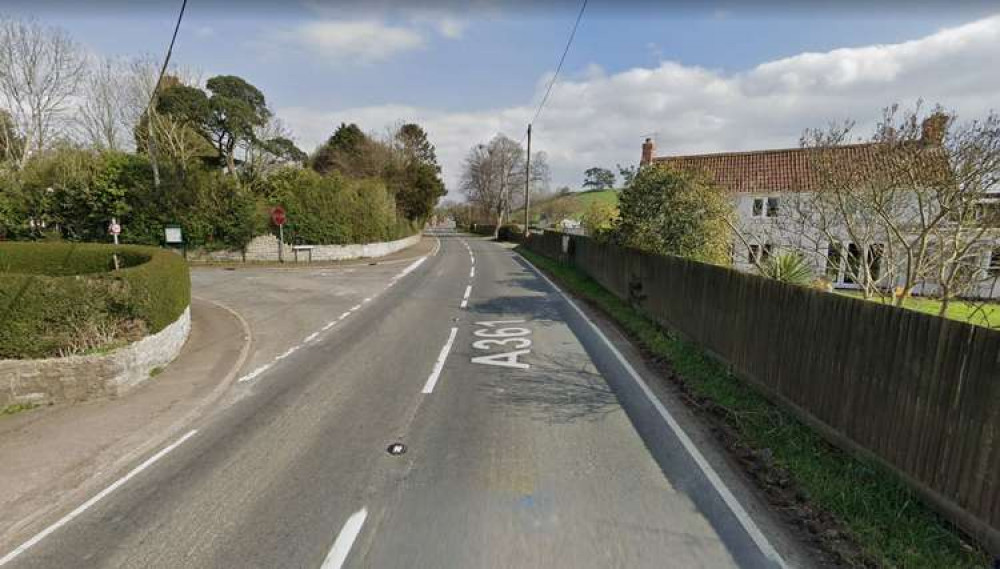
789	268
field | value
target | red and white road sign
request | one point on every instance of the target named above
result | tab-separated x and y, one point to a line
115	228
278	215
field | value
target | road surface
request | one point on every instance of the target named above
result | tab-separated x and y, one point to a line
510	447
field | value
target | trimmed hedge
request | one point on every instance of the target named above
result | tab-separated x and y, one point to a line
58	298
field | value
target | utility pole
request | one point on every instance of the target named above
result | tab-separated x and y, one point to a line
527	183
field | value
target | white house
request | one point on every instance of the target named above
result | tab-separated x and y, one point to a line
774	192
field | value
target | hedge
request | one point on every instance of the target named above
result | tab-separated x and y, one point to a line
61	298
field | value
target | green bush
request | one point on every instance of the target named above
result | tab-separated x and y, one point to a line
333	210
62	298
510	232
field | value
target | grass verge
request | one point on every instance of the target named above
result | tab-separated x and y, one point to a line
17	408
980	313
855	511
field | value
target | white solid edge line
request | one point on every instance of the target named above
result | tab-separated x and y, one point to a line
345	540
727	496
439	364
97	498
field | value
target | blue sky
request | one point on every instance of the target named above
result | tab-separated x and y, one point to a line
472	72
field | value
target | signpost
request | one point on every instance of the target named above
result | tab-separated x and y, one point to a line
173	237
278	217
115	229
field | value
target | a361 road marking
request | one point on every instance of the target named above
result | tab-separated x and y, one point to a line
507	338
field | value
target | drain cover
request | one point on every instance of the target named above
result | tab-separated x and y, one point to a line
396	449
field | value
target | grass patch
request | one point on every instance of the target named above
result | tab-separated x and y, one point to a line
880	520
574	204
986	314
17	408
155	371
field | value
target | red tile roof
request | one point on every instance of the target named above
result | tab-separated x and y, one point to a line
782	170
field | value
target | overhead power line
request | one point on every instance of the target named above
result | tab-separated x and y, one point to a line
151	136
562	59
170	51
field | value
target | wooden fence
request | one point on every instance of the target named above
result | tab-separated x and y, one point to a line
918	393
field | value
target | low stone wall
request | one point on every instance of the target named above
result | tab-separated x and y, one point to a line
79	378
361	251
265	248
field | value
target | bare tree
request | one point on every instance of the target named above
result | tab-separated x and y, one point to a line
40	72
492	172
101	115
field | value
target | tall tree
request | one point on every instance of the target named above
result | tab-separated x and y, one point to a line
102	106
237	108
415	145
40	72
492	172
343	152
598	178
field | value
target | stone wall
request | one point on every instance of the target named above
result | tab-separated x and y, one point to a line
265	248
79	378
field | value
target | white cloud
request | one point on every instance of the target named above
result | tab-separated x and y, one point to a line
205	32
600	119
347	40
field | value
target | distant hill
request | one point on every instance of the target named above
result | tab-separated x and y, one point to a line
569	206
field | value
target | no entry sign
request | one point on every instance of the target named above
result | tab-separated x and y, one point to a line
278	215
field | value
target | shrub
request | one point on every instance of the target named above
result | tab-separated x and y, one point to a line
59	298
789	268
333	210
672	212
510	232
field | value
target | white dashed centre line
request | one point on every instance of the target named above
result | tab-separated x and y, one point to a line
439	364
465	297
345	540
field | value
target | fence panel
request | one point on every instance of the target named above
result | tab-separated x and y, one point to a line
919	393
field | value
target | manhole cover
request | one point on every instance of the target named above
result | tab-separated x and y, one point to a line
396	449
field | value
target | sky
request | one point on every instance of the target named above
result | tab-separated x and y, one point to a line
696	76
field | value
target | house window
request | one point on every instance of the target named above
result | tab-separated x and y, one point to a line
875	260
994	268
853	272
988	213
754	254
772	207
833	259
758	207
766	252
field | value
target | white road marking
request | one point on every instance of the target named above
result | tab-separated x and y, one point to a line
254	373
97	498
465	297
409	269
713	477
345	540
472	272
439	364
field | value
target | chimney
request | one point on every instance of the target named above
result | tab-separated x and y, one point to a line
647	152
933	129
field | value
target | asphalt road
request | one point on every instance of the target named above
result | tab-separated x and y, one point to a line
524	447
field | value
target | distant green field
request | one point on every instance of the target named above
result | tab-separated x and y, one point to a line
570	206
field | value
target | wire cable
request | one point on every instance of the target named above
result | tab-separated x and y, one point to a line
562	59
166	60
